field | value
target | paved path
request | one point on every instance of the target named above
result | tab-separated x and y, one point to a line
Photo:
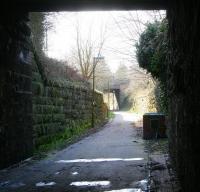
109	160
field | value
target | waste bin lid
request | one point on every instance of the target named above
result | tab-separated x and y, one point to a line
152	114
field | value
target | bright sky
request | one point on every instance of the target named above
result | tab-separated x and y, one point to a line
120	29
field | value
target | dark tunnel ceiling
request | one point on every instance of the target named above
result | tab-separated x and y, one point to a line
78	5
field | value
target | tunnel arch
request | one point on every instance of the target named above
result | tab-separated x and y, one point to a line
79	5
15	74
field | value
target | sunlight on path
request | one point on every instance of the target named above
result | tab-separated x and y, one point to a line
132	117
43	184
90	183
126	190
99	160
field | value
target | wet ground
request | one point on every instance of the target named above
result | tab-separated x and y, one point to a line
115	158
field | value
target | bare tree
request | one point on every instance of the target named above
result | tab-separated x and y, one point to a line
129	26
103	76
85	51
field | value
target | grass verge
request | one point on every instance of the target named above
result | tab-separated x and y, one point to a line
111	115
61	140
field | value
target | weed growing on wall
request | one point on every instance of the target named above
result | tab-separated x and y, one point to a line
61	139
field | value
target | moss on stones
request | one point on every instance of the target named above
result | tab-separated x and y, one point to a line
61	110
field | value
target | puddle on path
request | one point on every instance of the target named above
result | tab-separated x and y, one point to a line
9	184
16	185
141	185
75	173
4	183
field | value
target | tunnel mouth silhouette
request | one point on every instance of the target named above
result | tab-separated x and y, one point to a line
16	128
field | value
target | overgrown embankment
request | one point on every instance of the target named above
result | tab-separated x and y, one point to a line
61	109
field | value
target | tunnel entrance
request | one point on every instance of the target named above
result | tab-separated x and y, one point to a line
66	101
16	97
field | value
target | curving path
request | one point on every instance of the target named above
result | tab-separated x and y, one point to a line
112	159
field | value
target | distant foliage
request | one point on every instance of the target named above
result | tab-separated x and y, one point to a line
152	49
37	30
161	97
40	24
49	68
152	52
121	75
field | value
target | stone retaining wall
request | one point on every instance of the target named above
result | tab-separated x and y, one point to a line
28	120
61	106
